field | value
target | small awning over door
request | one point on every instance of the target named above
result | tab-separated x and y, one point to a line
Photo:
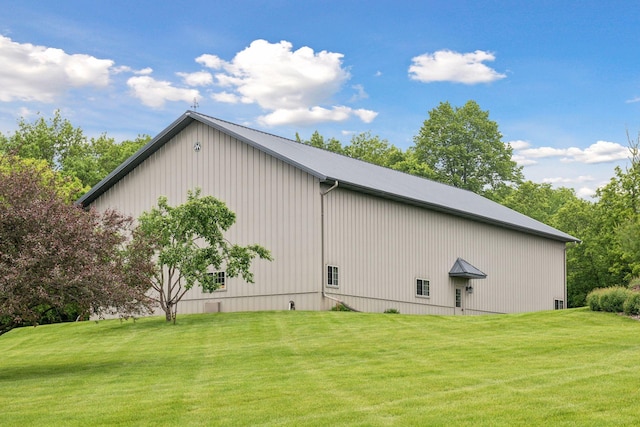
462	268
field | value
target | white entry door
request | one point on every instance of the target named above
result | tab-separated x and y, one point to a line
459	301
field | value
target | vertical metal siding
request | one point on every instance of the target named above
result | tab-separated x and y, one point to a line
382	246
276	205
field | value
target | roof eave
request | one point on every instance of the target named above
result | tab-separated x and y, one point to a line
468	275
132	162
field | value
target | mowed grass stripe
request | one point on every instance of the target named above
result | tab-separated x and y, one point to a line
571	367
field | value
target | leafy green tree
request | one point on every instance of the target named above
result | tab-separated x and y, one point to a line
587	261
413	165
67	150
618	216
52	140
374	150
110	154
464	148
59	262
98	157
69	189
189	244
371	149
538	201
319	141
627	235
609	228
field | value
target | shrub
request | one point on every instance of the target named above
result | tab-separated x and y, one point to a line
634	284
613	299
616	300
593	299
340	307
392	311
631	305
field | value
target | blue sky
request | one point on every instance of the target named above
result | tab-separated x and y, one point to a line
561	78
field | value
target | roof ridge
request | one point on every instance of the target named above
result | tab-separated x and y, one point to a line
330	151
242	126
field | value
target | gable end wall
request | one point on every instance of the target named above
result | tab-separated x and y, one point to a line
276	206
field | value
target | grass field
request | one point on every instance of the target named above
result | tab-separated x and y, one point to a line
571	367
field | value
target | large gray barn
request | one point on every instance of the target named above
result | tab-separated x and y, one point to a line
342	229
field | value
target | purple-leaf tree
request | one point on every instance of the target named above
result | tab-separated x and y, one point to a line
56	257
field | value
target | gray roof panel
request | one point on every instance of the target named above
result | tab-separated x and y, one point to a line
375	179
462	268
351	173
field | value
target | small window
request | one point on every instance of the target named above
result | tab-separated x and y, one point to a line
558	304
422	287
458	298
218	278
332	276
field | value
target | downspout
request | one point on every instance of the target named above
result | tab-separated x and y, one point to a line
322	242
322	239
566	272
566	292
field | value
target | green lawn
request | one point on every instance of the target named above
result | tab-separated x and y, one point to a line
571	367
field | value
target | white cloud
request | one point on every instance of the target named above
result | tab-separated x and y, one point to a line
121	69
25	112
308	116
518	158
519	144
632	100
543	152
449	66
360	93
230	98
522	160
276	77
586	192
578	180
600	152
144	72
210	61
291	85
366	116
155	93
39	73
126	69
199	78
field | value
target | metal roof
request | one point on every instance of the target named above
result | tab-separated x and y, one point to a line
350	173
462	268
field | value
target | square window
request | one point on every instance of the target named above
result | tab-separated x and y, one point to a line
332	276
422	287
219	280
558	304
